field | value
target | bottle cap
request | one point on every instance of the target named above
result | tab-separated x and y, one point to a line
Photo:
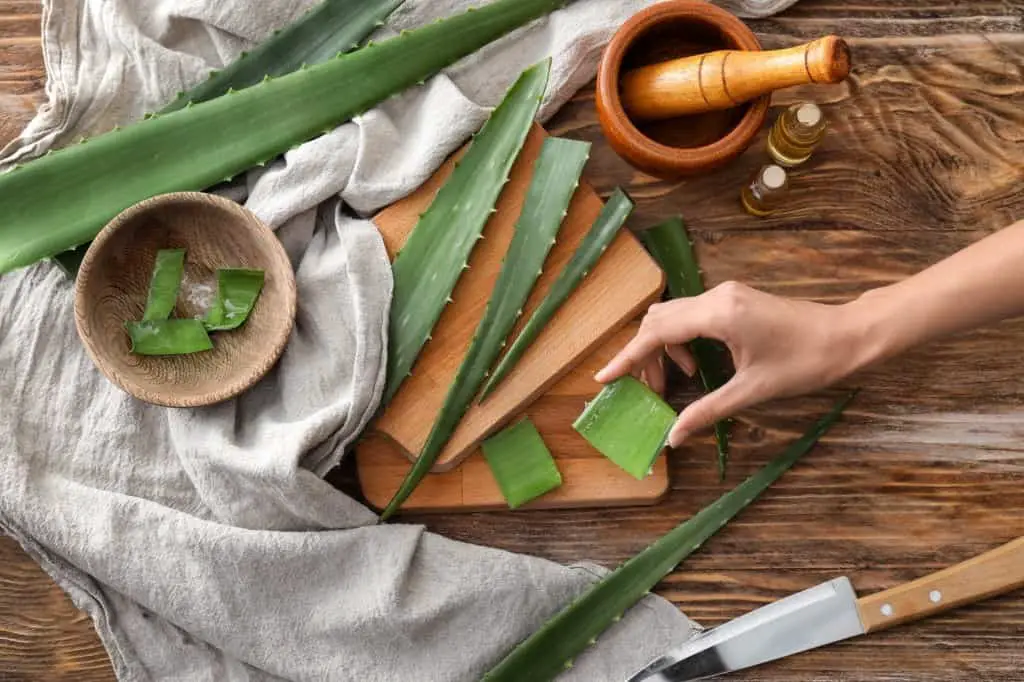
773	177
808	115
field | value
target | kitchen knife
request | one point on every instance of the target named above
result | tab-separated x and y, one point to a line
831	612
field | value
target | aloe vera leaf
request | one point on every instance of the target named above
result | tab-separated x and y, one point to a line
551	649
628	423
237	291
601	233
670	245
168	337
203	144
521	463
164	284
325	31
556	174
437	251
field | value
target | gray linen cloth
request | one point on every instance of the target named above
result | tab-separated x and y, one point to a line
204	543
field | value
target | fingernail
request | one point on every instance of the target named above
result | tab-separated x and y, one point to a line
676	438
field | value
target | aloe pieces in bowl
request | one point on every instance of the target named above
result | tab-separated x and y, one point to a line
237	291
628	423
521	463
181	336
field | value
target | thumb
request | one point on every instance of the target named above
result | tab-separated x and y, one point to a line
732	397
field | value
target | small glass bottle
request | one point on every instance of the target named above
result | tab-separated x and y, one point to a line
765	191
795	134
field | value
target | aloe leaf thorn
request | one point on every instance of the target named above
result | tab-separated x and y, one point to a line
225	136
541	656
601	233
670	245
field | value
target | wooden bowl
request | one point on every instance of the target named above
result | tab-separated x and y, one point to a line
113	282
684	145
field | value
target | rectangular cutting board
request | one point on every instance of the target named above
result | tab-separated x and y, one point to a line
588	478
622	284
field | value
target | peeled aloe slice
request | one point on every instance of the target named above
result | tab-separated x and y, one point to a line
237	291
164	284
521	463
628	423
604	229
551	649
168	337
198	146
670	245
550	190
436	253
325	31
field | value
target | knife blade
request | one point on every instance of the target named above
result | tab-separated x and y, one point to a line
832	612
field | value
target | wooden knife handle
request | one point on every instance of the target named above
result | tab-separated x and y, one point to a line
995	572
727	78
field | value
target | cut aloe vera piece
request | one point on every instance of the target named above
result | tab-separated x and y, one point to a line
168	337
164	284
604	229
521	463
670	245
437	251
552	648
628	423
237	291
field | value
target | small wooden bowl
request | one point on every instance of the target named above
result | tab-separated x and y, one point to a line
687	144
113	282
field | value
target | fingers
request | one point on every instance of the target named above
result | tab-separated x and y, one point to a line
665	324
735	395
682	357
653	374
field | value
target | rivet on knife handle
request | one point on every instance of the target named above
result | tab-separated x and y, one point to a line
990	574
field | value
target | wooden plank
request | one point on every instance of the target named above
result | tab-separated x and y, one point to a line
927	469
622	284
588	478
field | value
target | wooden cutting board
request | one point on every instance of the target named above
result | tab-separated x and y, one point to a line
588	478
623	283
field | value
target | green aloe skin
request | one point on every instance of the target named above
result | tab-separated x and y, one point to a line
325	31
628	423
601	234
202	144
670	245
552	648
164	284
168	337
521	463
237	291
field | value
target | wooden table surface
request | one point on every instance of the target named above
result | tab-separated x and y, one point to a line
925	155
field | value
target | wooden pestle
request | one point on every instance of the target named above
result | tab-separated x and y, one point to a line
727	78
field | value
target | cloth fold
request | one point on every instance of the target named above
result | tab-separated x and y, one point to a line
204	543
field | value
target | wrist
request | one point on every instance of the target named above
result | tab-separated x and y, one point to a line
867	329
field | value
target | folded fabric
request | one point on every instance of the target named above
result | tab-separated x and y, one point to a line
204	543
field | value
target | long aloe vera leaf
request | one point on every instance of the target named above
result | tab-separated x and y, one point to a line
521	463
437	250
198	146
555	178
628	423
601	233
168	337
551	649
326	30
237	291
164	284
670	245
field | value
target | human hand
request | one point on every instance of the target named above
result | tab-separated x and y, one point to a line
780	347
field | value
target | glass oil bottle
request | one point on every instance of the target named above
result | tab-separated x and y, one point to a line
796	133
766	190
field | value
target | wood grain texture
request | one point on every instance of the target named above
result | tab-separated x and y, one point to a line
993	573
588	478
925	155
623	283
113	282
